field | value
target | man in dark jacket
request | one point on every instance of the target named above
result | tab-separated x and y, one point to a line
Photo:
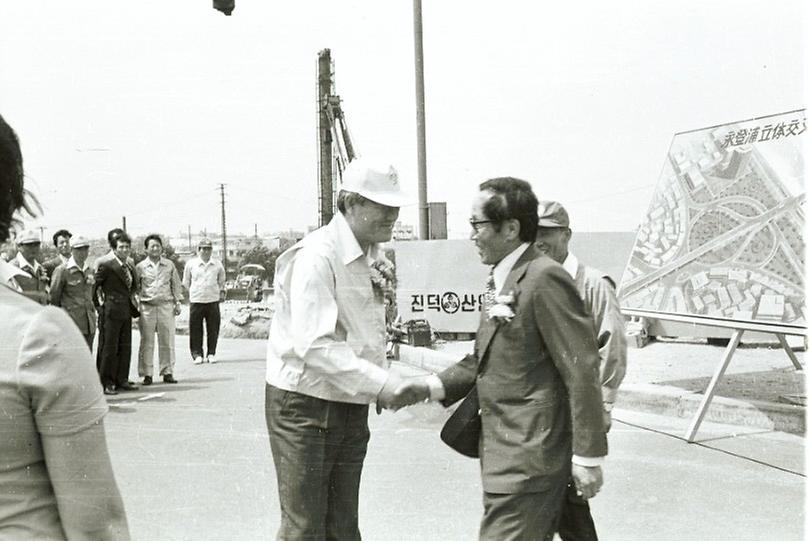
115	284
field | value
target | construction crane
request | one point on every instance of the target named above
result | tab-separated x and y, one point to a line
336	149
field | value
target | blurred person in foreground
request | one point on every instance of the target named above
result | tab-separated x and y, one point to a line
597	290
204	279
326	357
56	480
159	291
535	371
72	289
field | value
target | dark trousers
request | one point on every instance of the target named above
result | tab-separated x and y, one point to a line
100	347
527	516
116	352
199	312
318	448
576	522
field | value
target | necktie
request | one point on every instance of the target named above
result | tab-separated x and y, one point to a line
491	293
127	276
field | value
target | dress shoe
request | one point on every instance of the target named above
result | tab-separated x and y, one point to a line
147	380
110	389
169	378
197	360
128	386
212	359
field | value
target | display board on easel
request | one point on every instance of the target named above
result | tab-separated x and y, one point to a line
722	240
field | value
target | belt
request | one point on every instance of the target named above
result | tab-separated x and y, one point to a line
152	302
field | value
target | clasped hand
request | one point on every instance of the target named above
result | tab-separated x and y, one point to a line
399	392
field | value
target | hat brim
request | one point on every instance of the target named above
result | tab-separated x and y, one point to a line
550	224
389	199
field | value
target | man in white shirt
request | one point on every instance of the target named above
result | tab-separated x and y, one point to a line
159	291
204	280
326	357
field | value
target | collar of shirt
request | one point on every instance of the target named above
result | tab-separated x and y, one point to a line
201	263
7	274
24	262
504	266
571	264
72	263
150	263
347	245
64	259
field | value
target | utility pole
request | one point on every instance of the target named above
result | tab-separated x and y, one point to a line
189	237
255	231
424	216
224	230
42	234
123	223
324	90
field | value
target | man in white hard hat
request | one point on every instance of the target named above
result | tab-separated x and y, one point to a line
72	289
326	357
34	283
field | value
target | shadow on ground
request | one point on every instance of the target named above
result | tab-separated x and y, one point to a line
767	386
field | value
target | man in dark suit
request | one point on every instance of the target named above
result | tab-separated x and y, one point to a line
61	241
115	284
536	369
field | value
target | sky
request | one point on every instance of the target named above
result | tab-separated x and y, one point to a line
141	109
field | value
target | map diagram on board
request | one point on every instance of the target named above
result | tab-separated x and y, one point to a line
723	235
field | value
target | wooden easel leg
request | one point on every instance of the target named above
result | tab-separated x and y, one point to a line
789	352
691	433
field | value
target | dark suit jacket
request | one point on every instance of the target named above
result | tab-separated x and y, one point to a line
538	383
110	281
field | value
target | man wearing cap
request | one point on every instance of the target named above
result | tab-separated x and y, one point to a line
72	289
159	288
204	280
598	292
61	240
326	357
34	283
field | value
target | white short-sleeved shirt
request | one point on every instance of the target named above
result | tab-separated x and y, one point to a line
49	388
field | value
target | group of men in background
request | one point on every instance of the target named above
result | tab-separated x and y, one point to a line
106	296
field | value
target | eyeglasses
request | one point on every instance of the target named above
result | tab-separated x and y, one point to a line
477	223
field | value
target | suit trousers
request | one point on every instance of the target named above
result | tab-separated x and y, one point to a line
199	312
525	516
318	447
156	319
100	346
576	522
117	351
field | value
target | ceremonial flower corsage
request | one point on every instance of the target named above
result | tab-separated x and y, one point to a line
383	279
502	309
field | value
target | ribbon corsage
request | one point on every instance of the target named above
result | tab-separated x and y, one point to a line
502	309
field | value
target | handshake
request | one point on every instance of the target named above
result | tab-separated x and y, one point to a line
399	392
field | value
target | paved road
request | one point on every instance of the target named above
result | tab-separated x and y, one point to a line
193	462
